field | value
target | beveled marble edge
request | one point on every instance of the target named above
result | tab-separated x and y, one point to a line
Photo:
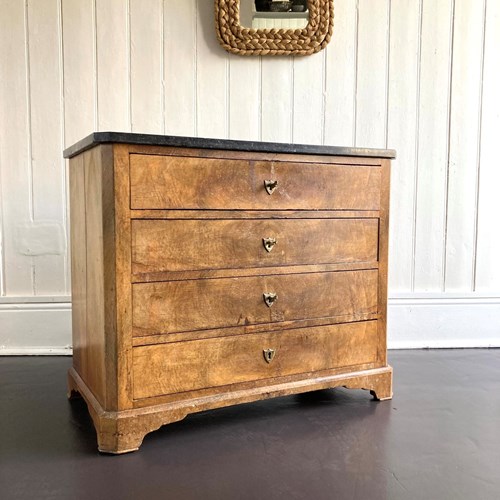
202	143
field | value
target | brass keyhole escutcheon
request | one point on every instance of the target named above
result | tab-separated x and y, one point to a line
270	299
269	243
269	354
270	186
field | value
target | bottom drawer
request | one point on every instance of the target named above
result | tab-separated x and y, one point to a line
199	364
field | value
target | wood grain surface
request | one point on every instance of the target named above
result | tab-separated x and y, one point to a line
178	306
169	182
78	243
92	244
188	366
180	245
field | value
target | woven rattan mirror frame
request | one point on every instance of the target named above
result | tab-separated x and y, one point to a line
259	42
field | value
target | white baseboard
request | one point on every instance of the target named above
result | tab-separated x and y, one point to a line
443	320
37	351
42	325
35	326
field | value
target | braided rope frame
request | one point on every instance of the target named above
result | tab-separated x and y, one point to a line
250	42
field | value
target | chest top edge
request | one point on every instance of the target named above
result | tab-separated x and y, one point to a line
97	138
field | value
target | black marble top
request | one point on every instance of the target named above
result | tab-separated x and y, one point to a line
198	142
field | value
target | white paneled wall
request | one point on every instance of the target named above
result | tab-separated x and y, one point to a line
419	76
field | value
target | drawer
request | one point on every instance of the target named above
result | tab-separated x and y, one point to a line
178	306
188	366
181	245
170	182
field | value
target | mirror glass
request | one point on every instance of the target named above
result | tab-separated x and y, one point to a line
274	14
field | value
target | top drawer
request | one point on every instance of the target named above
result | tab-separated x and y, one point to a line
172	182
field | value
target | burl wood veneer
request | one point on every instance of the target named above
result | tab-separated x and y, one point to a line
209	273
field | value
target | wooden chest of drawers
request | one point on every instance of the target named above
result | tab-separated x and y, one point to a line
207	273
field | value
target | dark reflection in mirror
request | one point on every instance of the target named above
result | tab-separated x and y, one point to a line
274	14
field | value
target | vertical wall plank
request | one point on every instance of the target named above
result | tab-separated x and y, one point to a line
308	110
78	65
467	62
341	76
180	67
15	145
433	145
244	98
371	90
212	64
45	116
113	78
277	99
401	135
79	74
146	68
487	276
2	252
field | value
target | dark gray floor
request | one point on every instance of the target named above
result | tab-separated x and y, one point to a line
439	438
